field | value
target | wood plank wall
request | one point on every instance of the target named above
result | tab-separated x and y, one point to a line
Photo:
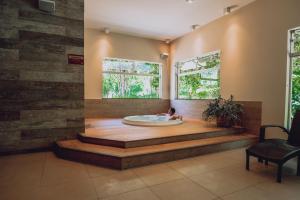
116	108
41	96
194	109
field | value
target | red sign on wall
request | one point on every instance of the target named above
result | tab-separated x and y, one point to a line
75	59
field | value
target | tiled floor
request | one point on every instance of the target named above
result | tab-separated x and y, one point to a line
219	176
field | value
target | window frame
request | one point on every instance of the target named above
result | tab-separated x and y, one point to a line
177	73
291	55
103	72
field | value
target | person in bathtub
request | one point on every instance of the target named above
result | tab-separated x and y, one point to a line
171	114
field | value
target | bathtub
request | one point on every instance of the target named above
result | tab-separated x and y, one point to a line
150	120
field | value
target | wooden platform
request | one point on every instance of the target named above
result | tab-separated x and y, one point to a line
108	142
112	132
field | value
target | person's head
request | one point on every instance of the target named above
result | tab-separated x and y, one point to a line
171	111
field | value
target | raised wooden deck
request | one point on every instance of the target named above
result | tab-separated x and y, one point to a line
112	132
110	143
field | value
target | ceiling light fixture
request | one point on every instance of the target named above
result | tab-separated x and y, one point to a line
189	1
229	9
195	26
167	41
106	30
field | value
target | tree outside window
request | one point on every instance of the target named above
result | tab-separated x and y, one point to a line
295	61
131	79
199	78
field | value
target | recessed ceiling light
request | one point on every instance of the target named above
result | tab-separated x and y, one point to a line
189	1
167	41
229	9
106	30
195	26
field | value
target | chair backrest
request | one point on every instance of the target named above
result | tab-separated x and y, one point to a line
294	137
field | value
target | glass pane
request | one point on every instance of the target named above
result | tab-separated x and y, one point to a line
296	42
130	79
198	78
127	66
194	87
111	86
147	68
295	85
130	86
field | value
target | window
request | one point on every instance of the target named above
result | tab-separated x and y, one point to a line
199	78
294	54
131	79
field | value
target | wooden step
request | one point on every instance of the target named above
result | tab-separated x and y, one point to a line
140	139
124	158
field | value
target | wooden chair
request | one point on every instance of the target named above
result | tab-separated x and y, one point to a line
278	151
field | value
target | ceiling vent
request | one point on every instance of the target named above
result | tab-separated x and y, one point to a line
47	6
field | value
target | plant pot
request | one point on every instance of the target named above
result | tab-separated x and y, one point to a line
223	122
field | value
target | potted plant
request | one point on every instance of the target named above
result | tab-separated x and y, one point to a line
226	112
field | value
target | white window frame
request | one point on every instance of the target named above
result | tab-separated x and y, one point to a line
178	74
134	74
290	56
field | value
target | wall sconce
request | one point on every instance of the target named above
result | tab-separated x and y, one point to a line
164	56
106	30
195	26
229	9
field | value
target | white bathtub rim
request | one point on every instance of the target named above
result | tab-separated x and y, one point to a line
126	120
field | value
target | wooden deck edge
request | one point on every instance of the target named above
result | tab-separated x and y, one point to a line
88	157
157	141
172	155
122	163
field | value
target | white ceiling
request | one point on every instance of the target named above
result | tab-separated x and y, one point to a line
157	19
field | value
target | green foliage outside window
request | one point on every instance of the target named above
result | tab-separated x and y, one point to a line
199	78
296	73
130	79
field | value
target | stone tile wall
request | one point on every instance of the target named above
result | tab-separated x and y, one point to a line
41	96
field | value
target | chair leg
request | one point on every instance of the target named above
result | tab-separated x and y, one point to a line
266	162
298	166
279	173
247	161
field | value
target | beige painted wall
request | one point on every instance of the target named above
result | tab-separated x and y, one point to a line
253	43
98	45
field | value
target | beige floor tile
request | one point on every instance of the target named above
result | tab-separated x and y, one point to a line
19	192
116	184
181	189
286	190
141	194
7	171
235	154
250	193
156	174
44	176
186	166
71	190
58	171
227	180
97	171
22	170
201	164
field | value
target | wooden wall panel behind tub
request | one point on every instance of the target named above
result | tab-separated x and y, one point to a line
116	108
194	109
